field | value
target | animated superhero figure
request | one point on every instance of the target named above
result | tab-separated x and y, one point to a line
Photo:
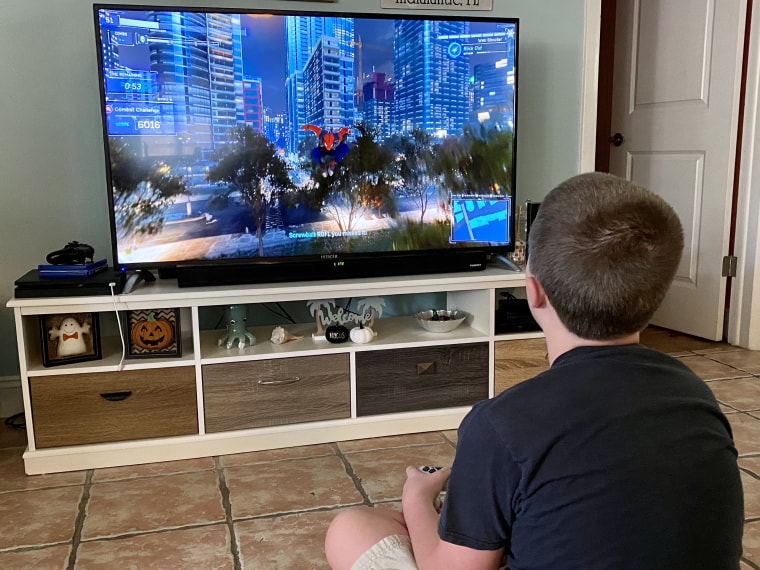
330	150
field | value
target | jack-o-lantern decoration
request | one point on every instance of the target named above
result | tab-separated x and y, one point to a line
152	333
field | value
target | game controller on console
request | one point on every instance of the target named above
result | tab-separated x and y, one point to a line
438	503
74	253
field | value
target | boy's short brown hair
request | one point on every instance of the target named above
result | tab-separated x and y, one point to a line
605	251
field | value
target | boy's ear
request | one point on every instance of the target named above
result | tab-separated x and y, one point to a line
535	293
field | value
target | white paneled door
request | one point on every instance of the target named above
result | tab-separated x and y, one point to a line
676	104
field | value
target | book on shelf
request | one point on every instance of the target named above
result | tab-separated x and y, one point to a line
82	270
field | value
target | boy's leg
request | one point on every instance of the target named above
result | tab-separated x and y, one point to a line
356	530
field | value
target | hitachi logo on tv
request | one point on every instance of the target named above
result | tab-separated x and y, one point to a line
329	256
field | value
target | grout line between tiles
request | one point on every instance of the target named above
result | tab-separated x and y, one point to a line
750	563
447	440
735	409
726	364
323	509
132	534
282	460
350	471
743	376
76	539
227	504
33	547
397	446
386	500
750	473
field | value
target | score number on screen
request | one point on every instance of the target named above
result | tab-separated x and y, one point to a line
148	125
127	118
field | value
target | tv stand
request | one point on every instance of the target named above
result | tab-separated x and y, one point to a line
507	263
134	280
211	400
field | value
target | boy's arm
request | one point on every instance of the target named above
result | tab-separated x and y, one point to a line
421	518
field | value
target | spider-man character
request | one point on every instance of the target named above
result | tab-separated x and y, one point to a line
330	150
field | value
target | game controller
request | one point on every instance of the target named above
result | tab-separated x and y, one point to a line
74	253
438	502
427	469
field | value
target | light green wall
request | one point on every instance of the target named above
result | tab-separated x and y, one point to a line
52	179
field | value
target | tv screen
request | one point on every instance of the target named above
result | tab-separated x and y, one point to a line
329	143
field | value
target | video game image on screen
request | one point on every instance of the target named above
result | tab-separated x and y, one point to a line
243	136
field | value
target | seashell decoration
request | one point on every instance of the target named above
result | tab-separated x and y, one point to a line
281	336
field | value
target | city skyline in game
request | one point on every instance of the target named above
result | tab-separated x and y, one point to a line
366	127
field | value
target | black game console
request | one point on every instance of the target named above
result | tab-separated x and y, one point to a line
513	315
32	285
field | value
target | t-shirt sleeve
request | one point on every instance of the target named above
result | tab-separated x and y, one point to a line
477	512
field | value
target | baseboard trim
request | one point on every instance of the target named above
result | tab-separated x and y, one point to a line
11	399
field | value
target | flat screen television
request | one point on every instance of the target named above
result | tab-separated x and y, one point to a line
263	146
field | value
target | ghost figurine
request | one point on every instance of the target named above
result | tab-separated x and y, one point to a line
70	335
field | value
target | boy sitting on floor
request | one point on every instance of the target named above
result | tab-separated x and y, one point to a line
616	457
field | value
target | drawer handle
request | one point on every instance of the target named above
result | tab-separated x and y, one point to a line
116	396
425	368
281	382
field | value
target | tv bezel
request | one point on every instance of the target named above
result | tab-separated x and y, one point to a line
229	271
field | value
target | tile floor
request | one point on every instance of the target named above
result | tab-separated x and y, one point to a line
270	509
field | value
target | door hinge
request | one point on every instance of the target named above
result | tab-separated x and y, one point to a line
729	266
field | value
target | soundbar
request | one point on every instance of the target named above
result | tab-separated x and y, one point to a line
264	271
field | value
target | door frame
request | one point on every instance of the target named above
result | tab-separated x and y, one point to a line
591	96
743	327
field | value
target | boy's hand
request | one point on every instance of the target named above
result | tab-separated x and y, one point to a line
425	486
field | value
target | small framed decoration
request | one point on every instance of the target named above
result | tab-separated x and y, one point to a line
70	337
153	332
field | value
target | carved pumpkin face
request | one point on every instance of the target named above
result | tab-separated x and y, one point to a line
152	333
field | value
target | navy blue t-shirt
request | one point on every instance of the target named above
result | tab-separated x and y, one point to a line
616	457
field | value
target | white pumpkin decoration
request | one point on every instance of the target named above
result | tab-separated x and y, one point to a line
361	334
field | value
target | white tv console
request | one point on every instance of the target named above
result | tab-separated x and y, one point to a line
214	401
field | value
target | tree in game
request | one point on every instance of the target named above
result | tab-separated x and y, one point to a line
251	165
479	162
360	183
415	161
142	190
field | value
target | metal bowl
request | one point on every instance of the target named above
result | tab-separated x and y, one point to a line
447	320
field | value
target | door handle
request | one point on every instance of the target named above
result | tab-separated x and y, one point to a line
116	396
278	382
617	139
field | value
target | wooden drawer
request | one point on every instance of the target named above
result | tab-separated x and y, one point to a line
421	378
518	360
77	409
259	393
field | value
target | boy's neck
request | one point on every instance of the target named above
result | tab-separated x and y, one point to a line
558	342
